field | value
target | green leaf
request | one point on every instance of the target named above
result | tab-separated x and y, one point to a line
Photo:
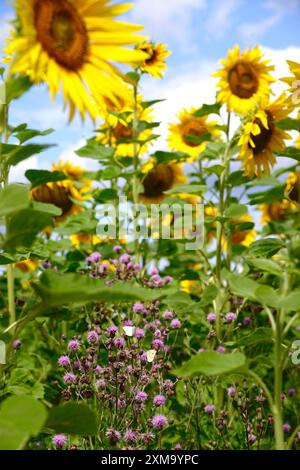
197	140
267	197
236	210
267	296
260	335
28	134
57	289
188	189
208	109
290	152
111	172
74	419
209	294
23	227
212	363
6	259
266	265
50	209
96	151
213	151
242	286
105	195
291	302
149	104
17	153
165	157
38	177
20	418
13	198
265	248
237	178
16	87
289	124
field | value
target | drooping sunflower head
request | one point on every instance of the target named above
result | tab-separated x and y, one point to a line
117	129
160	179
73	45
155	63
276	211
242	231
191	134
261	138
28	265
293	82
64	194
244	79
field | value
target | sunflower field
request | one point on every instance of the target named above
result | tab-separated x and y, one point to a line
118	333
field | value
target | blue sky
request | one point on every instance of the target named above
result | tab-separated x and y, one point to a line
199	33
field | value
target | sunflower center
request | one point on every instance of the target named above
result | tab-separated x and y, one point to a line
159	180
243	80
122	132
62	32
262	140
57	195
294	194
191	130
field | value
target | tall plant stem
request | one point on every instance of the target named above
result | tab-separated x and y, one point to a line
10	267
135	180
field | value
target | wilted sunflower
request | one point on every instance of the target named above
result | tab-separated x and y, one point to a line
276	211
28	265
159	179
261	138
117	130
73	46
155	63
185	134
240	233
64	194
244	79
292	189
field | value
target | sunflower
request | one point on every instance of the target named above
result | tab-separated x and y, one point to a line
185	134
240	233
155	63
194	288
261	138
117	130
64	194
276	211
211	213
78	239
28	265
244	79
292	189
159	179
73	46
293	82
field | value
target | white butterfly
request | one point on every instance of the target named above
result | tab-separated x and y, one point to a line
151	355
129	330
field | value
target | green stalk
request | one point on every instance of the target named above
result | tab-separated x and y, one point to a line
135	179
10	267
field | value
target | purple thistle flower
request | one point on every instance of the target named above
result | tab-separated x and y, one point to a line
209	409
63	361
247	321
201	350
144	358
94	258
168	315
147	437
93	337
154	271
130	436
138	307
231	392
70	378
74	345
17	343
112	330
157	344
117	248
178	447
141	396
159	400
101	384
119	343
292	392
59	441
221	349
121	403
159	421
298	328
139	333
113	436
252	438
77	365
230	317
286	427
125	258
168	385
175	324
211	318
169	279
127	323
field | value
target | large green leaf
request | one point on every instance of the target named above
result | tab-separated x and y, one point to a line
17	153
260	335
188	189
27	134
212	363
13	198
291	302
165	157
60	289
95	151
289	124
24	225
266	295
265	265
38	177
290	152
16	87
208	109
242	286
236	210
20	418
73	418
266	247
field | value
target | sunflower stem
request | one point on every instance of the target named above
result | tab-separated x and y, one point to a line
135	180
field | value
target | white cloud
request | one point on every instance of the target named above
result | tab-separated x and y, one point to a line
277	9
4	29
167	20
69	155
220	17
